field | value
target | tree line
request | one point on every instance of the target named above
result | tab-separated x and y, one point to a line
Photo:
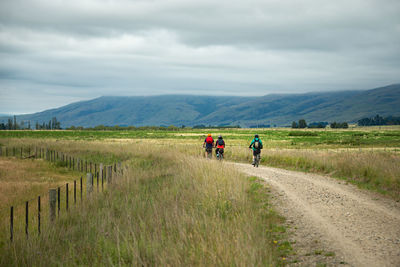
12	124
378	120
334	125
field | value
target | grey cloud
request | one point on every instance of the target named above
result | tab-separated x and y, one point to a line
90	48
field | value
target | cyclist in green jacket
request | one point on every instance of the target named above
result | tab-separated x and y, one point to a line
256	145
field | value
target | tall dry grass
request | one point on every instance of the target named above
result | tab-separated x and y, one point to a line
23	179
167	209
369	168
376	170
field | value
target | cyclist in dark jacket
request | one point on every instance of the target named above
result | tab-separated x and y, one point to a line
256	145
220	146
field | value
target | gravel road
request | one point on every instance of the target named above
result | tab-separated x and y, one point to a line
333	222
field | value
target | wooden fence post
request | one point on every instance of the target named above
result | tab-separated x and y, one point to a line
58	200
52	202
26	217
102	179
81	189
119	168
89	183
101	174
74	191
11	223
109	174
66	195
39	215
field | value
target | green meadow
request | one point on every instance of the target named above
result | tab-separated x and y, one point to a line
272	137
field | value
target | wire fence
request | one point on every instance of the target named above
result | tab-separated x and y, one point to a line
31	216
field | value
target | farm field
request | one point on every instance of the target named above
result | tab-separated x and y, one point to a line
158	164
25	179
165	207
374	137
368	157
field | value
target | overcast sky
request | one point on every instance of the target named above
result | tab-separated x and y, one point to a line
54	52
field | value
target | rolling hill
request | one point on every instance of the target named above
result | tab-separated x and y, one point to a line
277	109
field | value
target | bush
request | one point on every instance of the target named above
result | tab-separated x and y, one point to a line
303	134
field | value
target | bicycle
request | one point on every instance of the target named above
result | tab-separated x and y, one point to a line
209	153
220	154
257	160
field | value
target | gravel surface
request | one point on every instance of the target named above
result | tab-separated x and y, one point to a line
333	222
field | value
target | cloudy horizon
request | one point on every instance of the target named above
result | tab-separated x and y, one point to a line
57	52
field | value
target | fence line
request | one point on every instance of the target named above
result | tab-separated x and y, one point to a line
96	171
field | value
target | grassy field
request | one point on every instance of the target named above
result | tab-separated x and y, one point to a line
274	138
366	156
167	209
25	179
174	208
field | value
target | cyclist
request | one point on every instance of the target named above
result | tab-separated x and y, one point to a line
208	144
220	144
256	145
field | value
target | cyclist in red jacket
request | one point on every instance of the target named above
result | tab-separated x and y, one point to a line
208	144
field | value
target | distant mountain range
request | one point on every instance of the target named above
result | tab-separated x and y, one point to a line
189	110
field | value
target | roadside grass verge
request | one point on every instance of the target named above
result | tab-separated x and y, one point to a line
167	209
373	170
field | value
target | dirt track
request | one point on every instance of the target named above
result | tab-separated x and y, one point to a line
326	215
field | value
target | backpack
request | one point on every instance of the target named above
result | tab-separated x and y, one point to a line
209	140
220	142
257	144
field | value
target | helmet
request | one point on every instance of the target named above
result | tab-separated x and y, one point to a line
256	136
220	137
208	134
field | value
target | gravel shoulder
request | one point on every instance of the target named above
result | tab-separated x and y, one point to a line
333	222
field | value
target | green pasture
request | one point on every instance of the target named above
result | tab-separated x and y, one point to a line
272	138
